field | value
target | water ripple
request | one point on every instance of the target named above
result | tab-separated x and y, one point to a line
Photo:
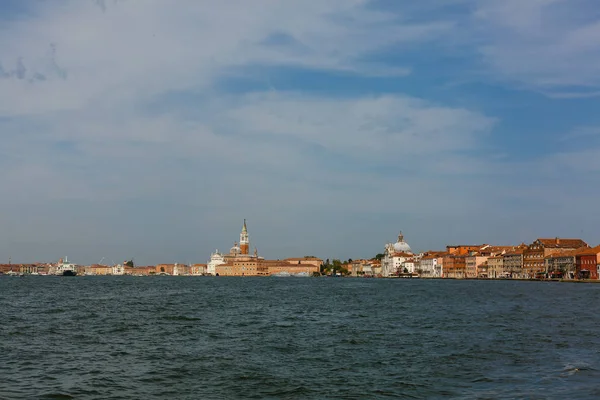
131	338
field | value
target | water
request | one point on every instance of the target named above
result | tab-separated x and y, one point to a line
288	338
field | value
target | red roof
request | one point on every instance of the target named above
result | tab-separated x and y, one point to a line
559	243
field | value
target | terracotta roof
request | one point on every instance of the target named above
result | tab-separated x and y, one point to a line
432	253
303	258
564	253
587	251
560	243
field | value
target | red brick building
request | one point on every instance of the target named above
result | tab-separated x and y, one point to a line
535	254
587	262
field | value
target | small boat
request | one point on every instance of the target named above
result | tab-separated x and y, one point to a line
282	274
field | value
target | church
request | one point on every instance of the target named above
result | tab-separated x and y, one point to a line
397	256
239	262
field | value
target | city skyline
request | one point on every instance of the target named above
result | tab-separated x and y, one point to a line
147	131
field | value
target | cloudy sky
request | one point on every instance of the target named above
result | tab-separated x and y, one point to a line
150	129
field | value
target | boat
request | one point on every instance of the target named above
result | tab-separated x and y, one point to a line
282	274
65	268
302	275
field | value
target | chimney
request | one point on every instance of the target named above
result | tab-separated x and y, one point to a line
557	240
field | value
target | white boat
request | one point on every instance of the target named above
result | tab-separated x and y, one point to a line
282	274
302	275
65	268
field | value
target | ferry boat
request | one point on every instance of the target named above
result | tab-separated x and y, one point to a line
65	268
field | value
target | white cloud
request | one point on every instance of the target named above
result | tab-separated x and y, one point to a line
545	44
139	49
390	127
98	133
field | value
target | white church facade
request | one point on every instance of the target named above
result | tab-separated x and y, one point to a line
397	257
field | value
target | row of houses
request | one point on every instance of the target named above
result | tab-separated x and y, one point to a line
240	266
544	258
99	269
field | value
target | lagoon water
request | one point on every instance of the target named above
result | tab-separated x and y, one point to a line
294	338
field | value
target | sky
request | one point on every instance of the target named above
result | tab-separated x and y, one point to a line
151	129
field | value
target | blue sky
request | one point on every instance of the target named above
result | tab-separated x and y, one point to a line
148	130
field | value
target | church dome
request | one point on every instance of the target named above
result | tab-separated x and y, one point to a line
401	246
235	249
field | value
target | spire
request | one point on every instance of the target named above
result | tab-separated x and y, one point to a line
400	237
244	239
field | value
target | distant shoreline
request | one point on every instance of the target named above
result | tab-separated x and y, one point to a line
325	276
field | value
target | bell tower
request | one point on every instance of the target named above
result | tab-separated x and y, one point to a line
244	240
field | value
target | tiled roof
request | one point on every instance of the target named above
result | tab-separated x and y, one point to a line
560	243
587	251
402	254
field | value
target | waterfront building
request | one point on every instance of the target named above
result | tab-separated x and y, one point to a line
395	255
495	266
360	268
6	268
587	263
240	263
238	252
216	259
431	264
477	263
276	267
96	269
376	269
513	263
28	269
409	266
260	267
474	265
198	269
455	260
140	270
438	267
534	255
427	265
559	265
574	264
455	265
308	260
